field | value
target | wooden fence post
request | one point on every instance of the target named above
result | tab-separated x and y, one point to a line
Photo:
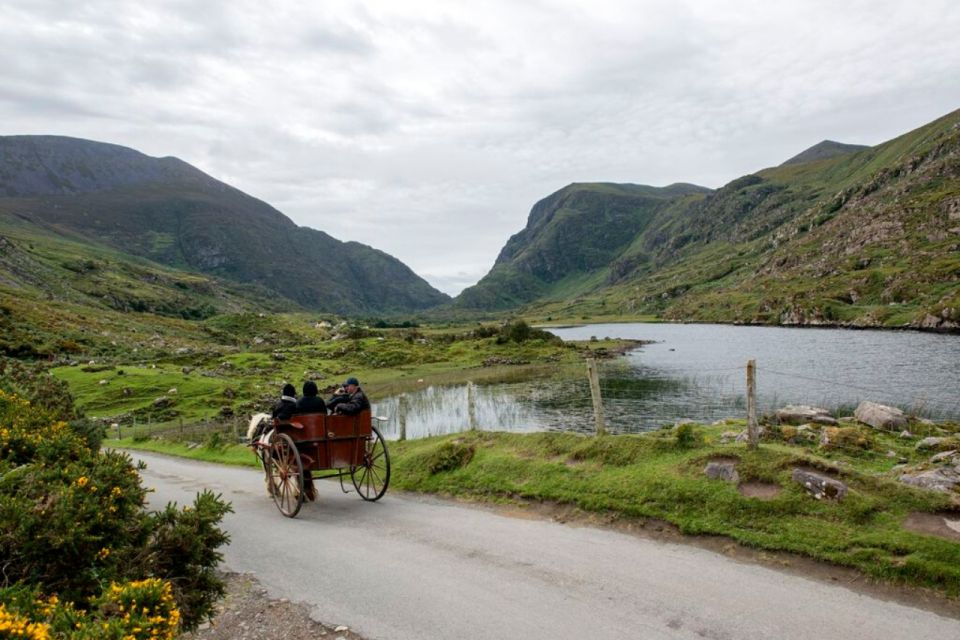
594	377
752	430
471	405
402	415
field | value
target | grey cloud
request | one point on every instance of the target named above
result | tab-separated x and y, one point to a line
429	129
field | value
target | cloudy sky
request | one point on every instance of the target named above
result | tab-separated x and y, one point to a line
428	129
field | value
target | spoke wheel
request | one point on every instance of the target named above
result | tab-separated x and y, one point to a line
371	479
285	475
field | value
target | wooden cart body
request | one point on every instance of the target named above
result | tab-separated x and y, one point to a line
329	442
314	446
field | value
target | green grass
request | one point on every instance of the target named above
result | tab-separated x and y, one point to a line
652	476
223	371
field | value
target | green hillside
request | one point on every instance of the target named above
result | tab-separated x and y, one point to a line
173	214
868	238
571	238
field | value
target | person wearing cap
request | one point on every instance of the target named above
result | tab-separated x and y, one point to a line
311	402
287	405
352	402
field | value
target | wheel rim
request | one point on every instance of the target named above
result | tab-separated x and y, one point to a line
372	478
286	475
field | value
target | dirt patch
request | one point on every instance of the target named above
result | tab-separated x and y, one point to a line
246	613
759	490
945	524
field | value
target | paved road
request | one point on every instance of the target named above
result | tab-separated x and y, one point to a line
415	568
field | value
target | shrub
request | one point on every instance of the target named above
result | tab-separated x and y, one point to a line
141	609
687	437
519	331
847	438
449	456
72	521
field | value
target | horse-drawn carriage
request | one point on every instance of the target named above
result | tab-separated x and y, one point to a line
322	446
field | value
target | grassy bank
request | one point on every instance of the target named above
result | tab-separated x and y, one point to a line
248	358
660	476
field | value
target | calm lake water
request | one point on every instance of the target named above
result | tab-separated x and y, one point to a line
698	371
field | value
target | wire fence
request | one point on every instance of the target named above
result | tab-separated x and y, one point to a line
633	399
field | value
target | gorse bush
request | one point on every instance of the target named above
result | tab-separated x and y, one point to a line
140	609
74	530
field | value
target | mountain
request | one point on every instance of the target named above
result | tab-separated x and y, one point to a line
571	236
866	238
171	213
823	150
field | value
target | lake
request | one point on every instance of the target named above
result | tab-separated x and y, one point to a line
698	371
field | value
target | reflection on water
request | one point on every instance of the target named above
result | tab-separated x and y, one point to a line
532	406
697	372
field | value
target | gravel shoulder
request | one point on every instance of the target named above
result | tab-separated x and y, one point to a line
246	613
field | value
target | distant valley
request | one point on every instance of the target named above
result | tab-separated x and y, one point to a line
840	235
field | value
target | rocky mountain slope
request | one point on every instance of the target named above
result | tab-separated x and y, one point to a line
171	213
570	237
863	238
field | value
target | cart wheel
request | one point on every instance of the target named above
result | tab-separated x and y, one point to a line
371	480
286	475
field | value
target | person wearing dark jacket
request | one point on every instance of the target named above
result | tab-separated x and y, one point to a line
311	402
287	405
353	402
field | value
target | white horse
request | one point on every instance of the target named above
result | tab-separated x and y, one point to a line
254	429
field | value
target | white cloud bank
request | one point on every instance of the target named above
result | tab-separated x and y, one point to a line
428	129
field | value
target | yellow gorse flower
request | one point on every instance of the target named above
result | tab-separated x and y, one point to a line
14	626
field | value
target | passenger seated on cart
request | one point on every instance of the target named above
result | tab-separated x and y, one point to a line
287	405
352	402
311	402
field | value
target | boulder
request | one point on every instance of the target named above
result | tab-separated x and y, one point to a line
932	442
820	485
162	402
800	414
906	434
725	470
944	456
943	479
728	436
880	416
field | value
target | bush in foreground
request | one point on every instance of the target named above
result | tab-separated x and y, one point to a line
74	534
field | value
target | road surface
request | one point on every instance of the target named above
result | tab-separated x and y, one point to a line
418	568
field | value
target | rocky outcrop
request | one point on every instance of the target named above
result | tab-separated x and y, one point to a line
943	479
932	442
820	485
802	414
725	470
880	416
